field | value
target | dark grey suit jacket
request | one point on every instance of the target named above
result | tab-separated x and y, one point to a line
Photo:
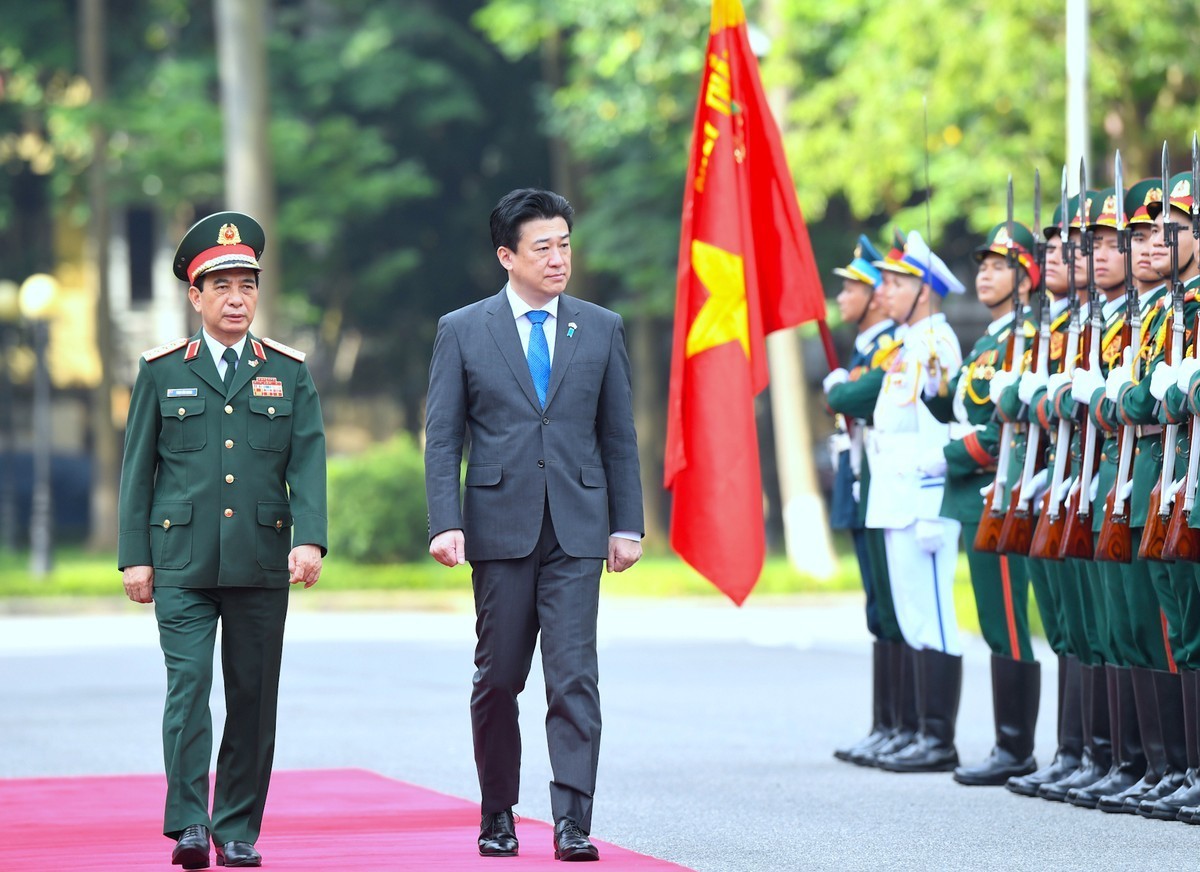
579	454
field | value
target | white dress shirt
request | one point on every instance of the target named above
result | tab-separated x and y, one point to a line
217	350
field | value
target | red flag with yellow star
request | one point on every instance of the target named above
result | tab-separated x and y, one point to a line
746	268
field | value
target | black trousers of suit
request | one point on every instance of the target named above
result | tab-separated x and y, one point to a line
557	595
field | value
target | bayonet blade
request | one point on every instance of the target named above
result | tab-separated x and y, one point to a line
1082	196
1120	186
1064	216
1195	185
1009	218
1166	176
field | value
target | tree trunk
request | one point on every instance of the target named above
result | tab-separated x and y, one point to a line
102	517
249	175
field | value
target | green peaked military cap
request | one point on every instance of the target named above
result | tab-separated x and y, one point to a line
997	243
1180	195
223	240
1139	197
1104	209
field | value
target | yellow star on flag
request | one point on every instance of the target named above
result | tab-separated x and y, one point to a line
724	317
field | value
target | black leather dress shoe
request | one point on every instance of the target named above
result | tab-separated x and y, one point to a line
571	843
498	834
191	848
238	854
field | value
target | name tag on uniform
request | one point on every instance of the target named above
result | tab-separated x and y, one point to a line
181	392
267	387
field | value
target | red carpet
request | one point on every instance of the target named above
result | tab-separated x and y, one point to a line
344	819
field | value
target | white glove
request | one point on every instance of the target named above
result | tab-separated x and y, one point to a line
933	378
1029	385
856	490
1038	485
1188	367
932	463
929	535
1161	379
1055	382
835	378
1119	376
1084	384
1001	381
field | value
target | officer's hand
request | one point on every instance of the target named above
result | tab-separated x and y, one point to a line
622	553
304	563
139	583
449	548
930	535
1001	381
1162	378
1029	384
835	378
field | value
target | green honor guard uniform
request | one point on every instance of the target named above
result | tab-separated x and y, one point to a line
1025	397
222	504
1000	583
1175	386
1139	647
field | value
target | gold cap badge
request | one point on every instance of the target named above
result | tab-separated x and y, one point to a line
228	235
1183	188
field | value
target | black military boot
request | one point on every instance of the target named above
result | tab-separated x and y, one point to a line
1070	732
1097	745
881	705
902	670
1016	692
1129	762
1188	793
1168	695
1150	729
939	687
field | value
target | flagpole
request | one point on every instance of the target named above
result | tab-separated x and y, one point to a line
805	531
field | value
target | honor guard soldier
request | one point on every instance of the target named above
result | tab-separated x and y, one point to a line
905	503
222	504
1045	571
1001	586
852	394
1175	385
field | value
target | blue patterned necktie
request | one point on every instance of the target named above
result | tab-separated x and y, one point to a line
539	354
230	358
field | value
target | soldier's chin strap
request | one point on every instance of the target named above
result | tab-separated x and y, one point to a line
913	307
867	308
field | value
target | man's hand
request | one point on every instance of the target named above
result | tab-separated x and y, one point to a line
449	548
304	563
622	553
139	583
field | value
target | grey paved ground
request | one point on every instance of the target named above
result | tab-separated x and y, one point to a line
718	729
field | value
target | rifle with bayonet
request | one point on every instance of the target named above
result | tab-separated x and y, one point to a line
1162	497
1183	542
1115	543
1016	536
995	508
1077	534
1048	535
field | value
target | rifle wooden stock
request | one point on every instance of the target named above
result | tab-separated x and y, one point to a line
1047	536
991	522
1154	535
1115	543
1016	535
1077	529
1182	542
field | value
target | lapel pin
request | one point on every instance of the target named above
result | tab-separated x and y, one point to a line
571	329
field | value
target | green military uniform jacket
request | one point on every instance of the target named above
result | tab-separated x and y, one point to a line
971	459
217	486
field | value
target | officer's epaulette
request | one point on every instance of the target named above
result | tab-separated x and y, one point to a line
284	349
163	350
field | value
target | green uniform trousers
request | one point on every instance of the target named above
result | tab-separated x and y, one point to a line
252	622
1001	598
1134	618
1096	599
1045	593
1078	619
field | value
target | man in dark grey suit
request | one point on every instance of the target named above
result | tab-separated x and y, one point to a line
540	382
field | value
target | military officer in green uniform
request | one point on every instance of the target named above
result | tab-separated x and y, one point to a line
1000	584
222	504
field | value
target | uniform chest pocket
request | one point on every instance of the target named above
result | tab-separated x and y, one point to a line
183	427
270	427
